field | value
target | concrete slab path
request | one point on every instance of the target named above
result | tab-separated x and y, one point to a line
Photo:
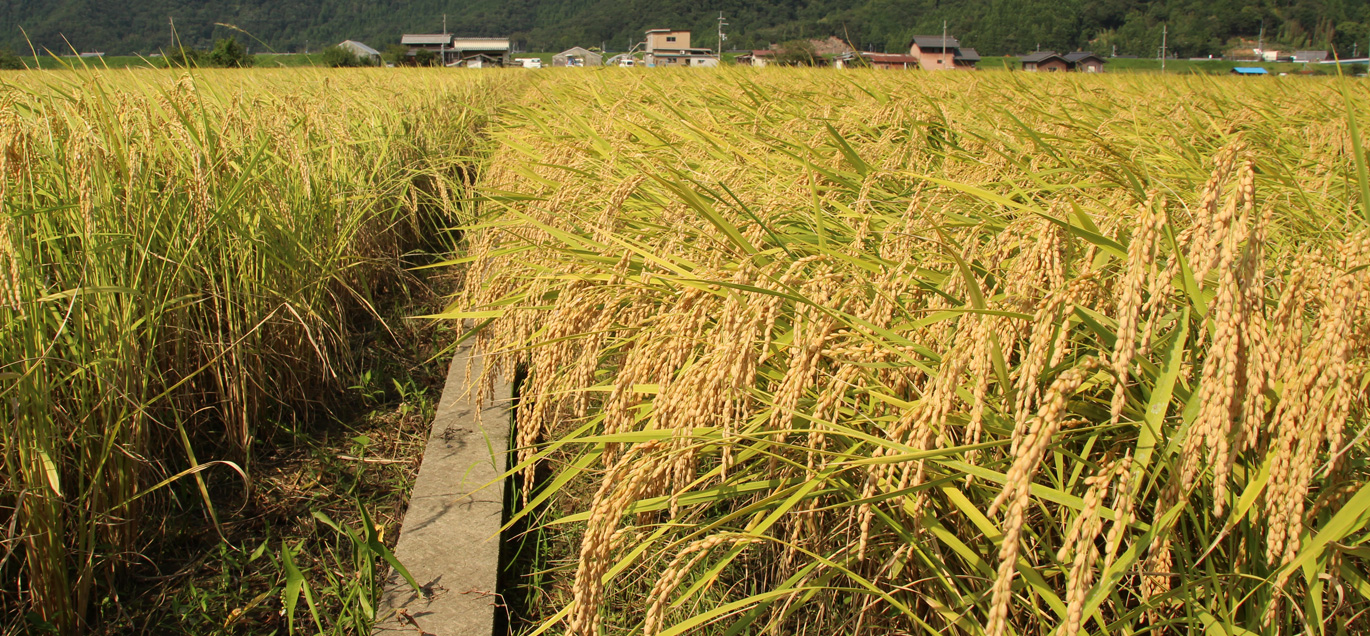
450	540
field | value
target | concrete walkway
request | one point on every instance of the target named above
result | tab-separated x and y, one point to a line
450	539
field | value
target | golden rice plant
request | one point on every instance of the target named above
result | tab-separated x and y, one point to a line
965	353
185	257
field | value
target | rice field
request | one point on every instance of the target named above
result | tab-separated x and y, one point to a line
186	259
796	351
839	353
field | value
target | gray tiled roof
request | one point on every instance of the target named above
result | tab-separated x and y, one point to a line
935	42
1039	56
969	55
1079	55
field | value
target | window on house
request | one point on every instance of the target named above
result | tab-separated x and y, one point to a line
670	38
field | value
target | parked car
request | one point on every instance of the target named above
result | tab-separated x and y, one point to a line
529	62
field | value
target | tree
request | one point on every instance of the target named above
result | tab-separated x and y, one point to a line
425	57
796	53
9	61
228	53
1350	39
339	57
183	57
396	54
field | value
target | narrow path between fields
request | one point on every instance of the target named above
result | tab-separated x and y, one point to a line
450	538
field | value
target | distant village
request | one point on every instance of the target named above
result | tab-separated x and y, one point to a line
672	48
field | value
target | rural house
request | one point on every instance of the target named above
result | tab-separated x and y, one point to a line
362	51
1044	62
438	43
665	47
1310	57
481	52
458	51
577	56
756	58
884	61
1084	62
941	53
1052	62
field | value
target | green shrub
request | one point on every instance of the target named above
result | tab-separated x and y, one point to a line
796	53
395	54
184	57
9	61
339	57
228	53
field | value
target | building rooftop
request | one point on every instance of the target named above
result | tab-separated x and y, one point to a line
1080	55
426	38
1250	70
1038	56
481	44
674	52
967	55
890	58
935	42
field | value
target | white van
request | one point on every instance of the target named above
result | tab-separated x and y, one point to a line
529	62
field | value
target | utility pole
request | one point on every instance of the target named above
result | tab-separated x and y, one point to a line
1260	40
172	21
442	46
1164	30
944	38
721	36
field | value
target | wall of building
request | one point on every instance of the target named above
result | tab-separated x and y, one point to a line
670	40
1053	65
934	60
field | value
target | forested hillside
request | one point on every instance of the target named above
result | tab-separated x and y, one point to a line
1196	27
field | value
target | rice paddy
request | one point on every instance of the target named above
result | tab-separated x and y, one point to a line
187	258
817	353
798	351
